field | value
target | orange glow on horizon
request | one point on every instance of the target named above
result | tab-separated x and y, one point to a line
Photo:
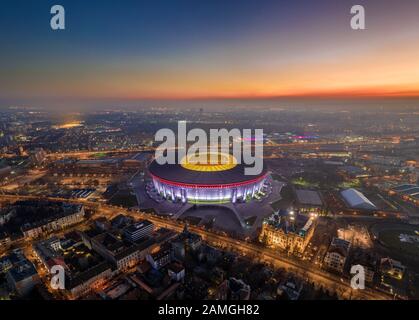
241	73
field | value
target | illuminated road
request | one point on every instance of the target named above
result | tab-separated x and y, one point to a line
302	268
83	154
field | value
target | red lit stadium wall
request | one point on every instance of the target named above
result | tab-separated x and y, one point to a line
231	192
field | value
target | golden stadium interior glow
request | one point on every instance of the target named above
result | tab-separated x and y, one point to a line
224	162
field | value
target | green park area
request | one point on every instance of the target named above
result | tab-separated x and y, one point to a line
301	182
354	183
99	155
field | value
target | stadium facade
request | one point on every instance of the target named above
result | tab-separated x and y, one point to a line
221	182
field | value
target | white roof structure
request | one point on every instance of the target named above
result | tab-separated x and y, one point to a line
357	200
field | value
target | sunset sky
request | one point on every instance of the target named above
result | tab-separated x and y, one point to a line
201	49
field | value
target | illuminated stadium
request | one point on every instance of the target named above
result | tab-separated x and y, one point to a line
219	181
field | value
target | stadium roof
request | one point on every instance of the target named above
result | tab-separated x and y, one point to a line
178	174
357	200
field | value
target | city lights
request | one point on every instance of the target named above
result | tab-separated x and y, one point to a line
208	158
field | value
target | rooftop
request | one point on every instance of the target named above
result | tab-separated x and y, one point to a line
289	223
357	200
340	246
88	274
138	225
404	187
412	191
309	197
176	173
175	267
22	270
